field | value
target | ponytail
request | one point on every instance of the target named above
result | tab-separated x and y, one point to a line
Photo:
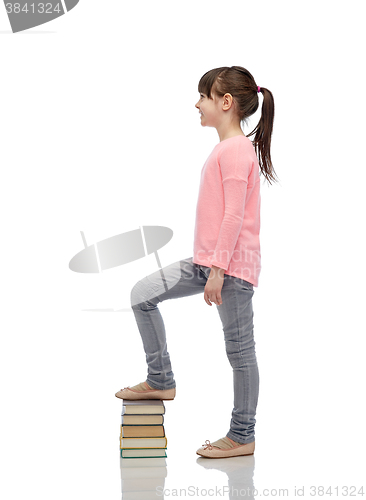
262	138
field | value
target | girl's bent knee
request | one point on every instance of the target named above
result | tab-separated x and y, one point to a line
138	294
141	294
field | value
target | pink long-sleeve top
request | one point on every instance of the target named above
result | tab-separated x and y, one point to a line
227	225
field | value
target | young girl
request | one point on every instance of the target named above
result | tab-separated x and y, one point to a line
226	259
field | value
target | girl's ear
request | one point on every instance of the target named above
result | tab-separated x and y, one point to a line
227	101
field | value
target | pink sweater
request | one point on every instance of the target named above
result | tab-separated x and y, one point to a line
227	226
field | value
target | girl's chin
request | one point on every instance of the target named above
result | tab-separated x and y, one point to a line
204	122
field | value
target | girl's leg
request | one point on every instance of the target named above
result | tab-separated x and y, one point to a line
236	314
180	279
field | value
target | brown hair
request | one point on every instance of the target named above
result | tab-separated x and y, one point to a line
238	82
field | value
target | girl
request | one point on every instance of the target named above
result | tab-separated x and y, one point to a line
226	259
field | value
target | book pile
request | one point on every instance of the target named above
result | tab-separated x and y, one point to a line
143	448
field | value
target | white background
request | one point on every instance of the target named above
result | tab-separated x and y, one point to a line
99	134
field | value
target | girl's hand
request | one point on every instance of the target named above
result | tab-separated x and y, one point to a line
213	286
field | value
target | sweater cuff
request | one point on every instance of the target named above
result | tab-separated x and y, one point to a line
219	264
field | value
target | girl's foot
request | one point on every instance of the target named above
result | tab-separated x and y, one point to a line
144	391
225	447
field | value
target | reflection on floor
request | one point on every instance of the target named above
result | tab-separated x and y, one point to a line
239	470
144	478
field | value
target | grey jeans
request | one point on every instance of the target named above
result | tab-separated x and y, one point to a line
184	278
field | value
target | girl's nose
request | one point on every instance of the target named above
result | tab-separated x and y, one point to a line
197	105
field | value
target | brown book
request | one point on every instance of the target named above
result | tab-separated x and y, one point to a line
142	431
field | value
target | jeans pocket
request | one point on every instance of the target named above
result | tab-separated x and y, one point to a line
206	270
243	284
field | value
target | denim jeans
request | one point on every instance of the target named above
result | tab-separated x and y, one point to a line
184	278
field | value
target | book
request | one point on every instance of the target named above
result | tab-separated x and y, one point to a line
145	442
142	462
142	419
139	453
142	431
143	406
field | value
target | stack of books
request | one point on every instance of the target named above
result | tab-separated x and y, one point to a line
142	429
143	449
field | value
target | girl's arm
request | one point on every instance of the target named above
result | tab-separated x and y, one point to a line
235	164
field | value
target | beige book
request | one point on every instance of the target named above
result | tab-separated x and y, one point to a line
142	419
146	442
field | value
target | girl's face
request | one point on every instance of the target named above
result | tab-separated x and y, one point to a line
209	110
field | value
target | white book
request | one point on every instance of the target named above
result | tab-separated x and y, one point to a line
137	454
143	406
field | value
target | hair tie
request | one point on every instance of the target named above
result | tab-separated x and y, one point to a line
259	89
